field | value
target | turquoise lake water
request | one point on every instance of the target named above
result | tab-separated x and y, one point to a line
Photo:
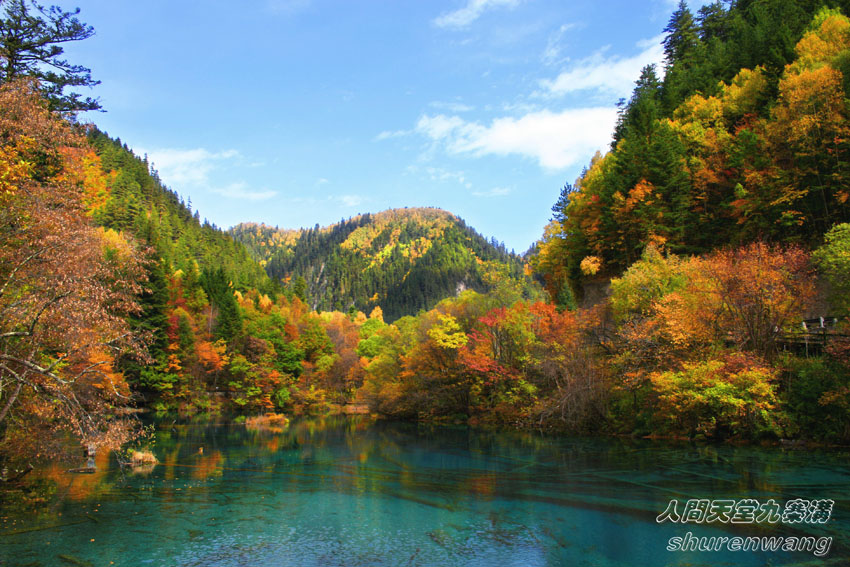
350	491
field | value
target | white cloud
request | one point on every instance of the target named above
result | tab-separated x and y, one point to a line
321	181
351	200
494	192
554	46
389	134
555	139
443	175
195	169
241	191
518	107
440	126
180	167
463	17
451	106
608	75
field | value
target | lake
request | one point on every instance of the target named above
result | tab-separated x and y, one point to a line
352	491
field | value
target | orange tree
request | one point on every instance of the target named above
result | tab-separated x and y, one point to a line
65	289
678	322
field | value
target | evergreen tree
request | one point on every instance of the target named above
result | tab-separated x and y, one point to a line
216	285
150	323
682	35
713	22
30	46
560	206
643	109
299	288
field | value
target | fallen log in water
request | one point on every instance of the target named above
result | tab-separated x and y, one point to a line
82	470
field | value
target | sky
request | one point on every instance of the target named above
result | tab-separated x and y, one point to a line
303	112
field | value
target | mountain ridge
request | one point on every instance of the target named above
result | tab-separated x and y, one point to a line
401	259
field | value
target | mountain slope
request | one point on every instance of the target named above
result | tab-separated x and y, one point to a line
402	260
744	139
139	203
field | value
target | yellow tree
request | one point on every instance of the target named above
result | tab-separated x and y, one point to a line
809	131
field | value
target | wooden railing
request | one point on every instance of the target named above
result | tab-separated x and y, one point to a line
812	336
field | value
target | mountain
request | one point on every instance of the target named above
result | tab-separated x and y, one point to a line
401	260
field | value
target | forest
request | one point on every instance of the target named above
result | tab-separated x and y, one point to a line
400	260
673	294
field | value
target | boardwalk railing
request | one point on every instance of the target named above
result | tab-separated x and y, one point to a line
812	336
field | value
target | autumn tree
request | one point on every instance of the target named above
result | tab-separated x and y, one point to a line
381	352
66	287
762	290
747	296
568	369
809	132
734	396
745	137
346	373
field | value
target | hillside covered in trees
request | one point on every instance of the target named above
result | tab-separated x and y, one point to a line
716	224
135	200
401	260
744	138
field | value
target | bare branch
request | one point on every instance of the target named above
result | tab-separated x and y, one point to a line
26	261
34	367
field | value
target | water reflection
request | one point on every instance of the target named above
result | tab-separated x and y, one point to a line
349	491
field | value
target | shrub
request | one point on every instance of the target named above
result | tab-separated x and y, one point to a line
734	396
817	397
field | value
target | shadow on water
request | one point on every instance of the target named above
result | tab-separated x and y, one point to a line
352	491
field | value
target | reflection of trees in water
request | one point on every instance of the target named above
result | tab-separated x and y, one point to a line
451	474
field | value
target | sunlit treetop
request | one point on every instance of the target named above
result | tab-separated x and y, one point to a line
31	38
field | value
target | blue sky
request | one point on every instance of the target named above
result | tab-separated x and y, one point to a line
303	112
